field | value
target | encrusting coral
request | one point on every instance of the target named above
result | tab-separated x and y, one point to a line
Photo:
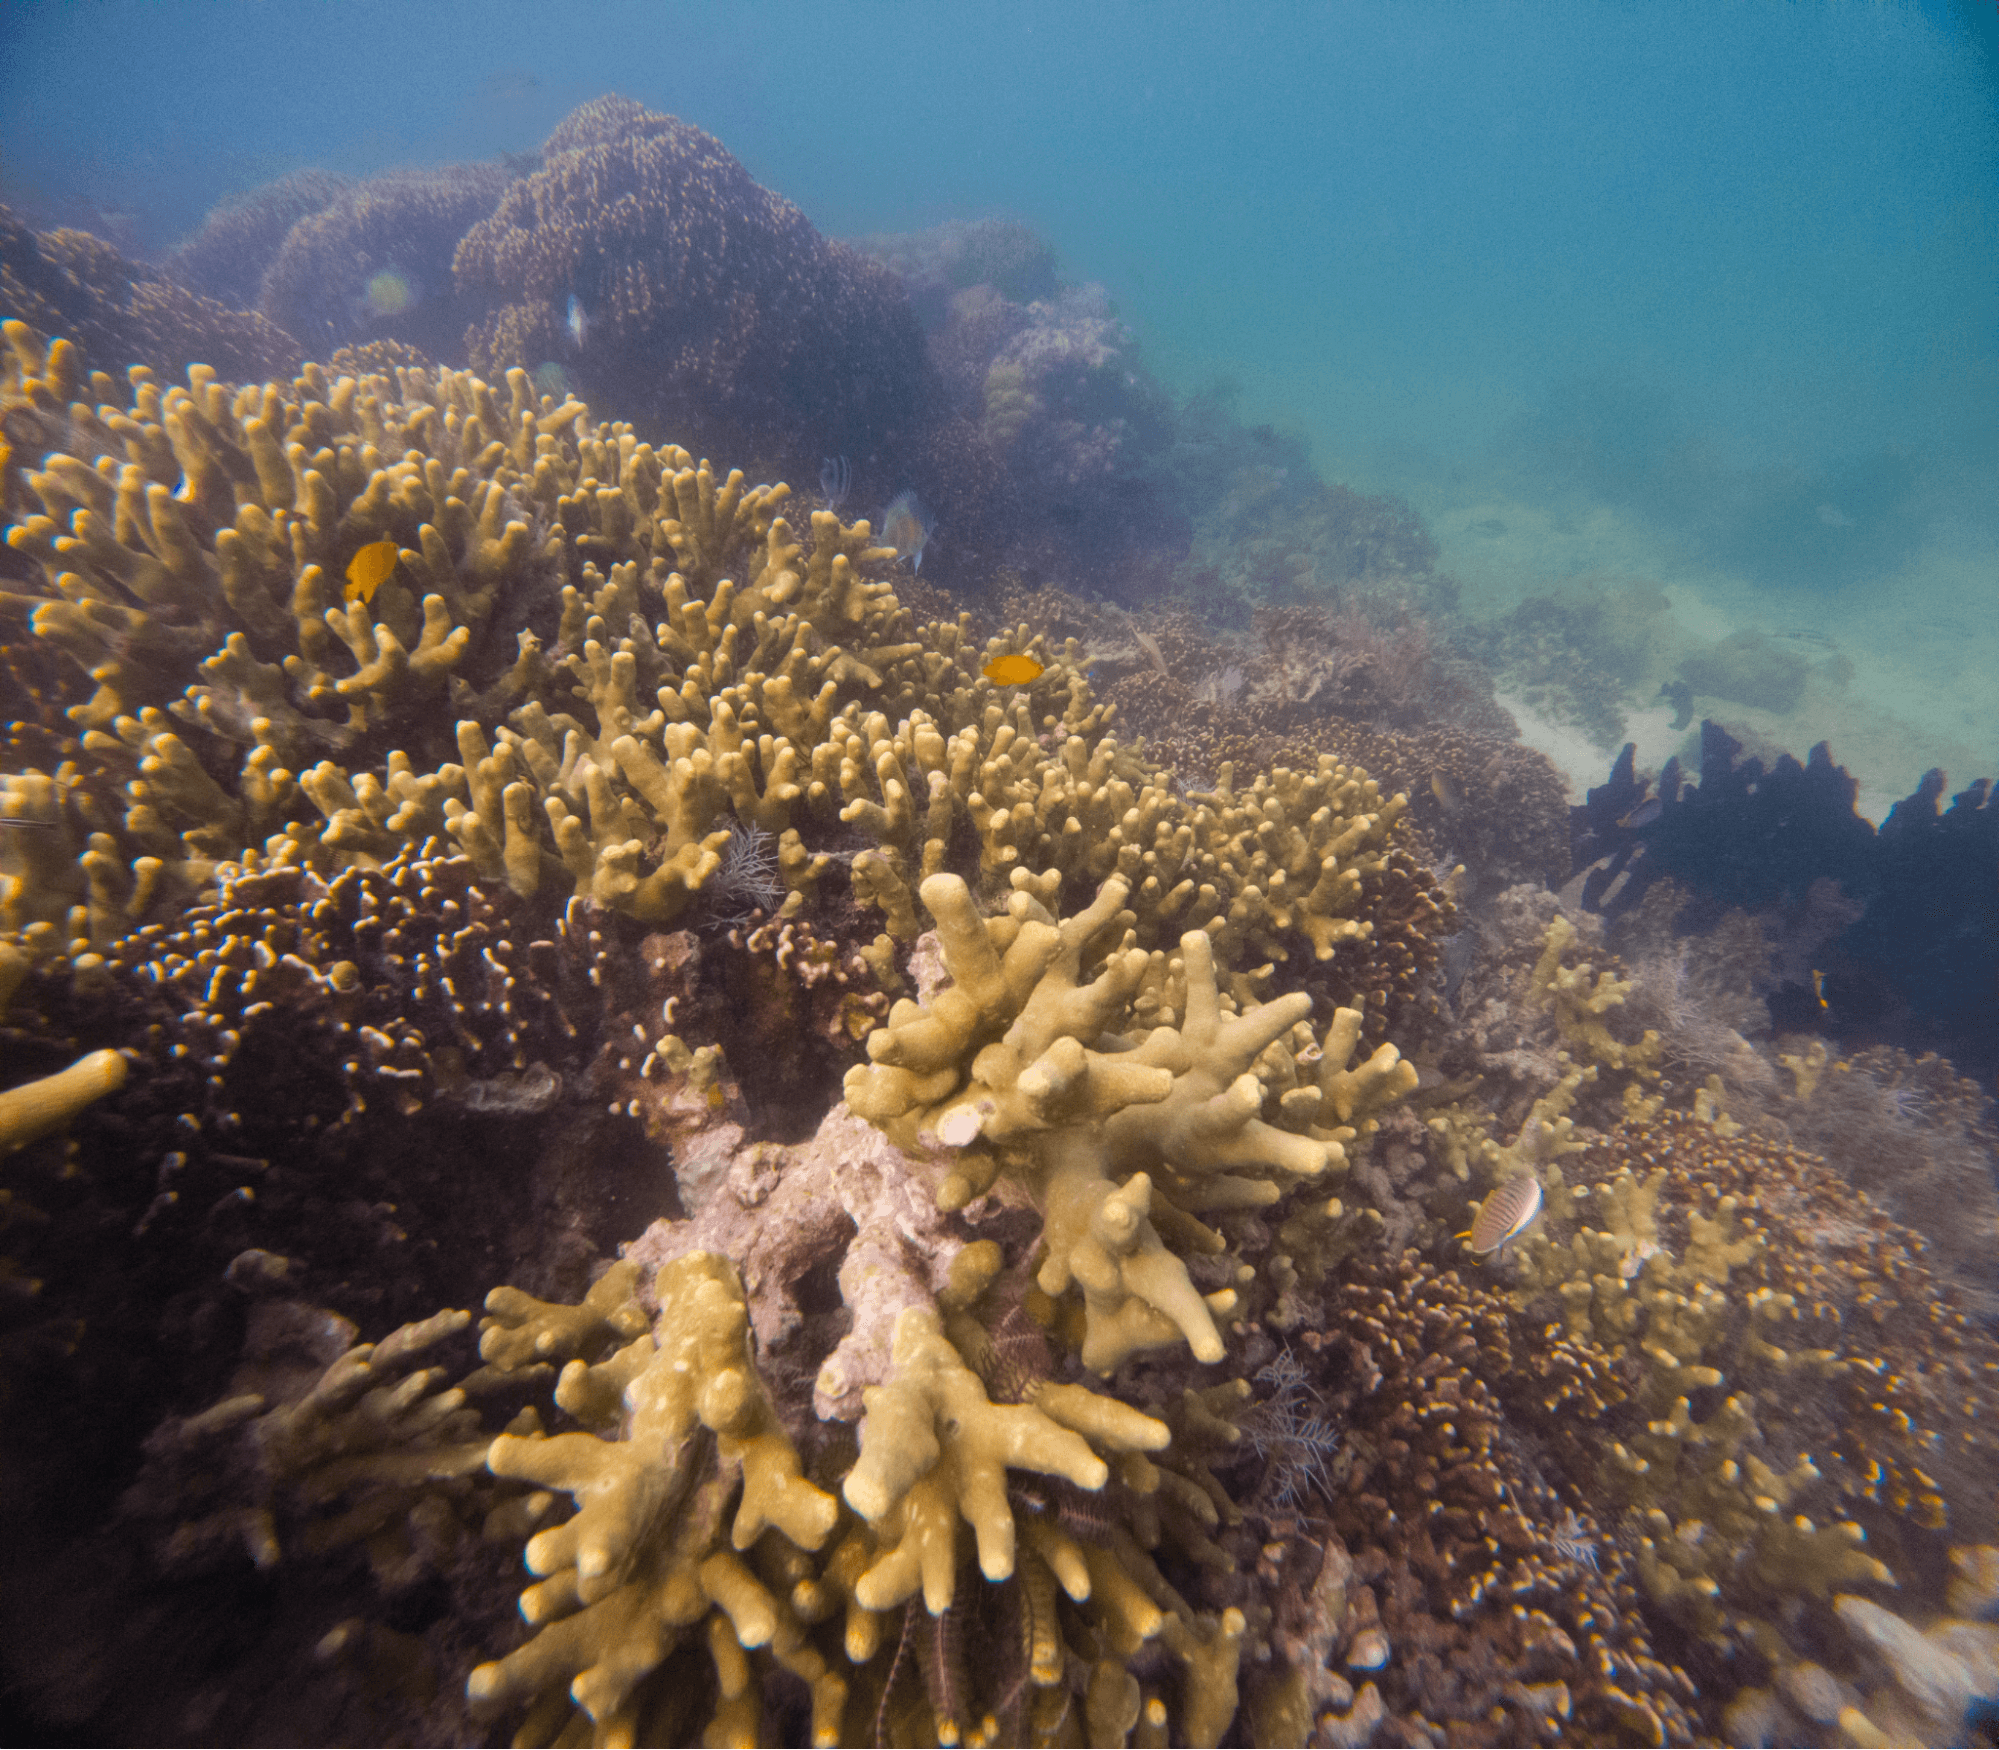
1069	1332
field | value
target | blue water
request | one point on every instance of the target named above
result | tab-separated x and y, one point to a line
1703	296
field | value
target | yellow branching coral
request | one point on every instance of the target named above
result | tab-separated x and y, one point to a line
1581	1006
218	607
1712	1496
934	1447
652	1551
520	1329
1464	1141
708	663
1017	1062
35	1108
1355	1092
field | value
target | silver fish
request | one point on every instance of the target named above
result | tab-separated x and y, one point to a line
907	527
579	321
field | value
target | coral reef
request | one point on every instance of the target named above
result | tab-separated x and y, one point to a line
1031	1154
119	312
1310	662
709	305
1269	532
1884	937
1704	1272
1462	1605
227	258
375	261
1052	394
1001	257
1476	793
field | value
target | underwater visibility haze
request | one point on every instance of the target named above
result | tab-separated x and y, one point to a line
908	875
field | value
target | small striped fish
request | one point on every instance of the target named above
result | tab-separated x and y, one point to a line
1507	1213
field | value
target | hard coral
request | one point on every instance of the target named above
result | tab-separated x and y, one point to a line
322	282
713	306
1759	1364
1462	1606
227	257
1064	429
1009	1063
442	958
121	312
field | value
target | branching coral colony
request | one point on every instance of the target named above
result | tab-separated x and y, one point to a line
969	1358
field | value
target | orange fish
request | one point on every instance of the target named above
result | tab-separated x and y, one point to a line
1013	671
369	569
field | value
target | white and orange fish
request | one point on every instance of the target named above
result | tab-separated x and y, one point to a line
1509	1212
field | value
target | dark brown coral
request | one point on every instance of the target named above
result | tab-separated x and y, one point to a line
406	226
227	257
1467	1611
710	307
120	313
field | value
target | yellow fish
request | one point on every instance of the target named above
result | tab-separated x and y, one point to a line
1013	671
369	569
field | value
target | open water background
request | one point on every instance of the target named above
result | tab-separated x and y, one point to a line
1706	297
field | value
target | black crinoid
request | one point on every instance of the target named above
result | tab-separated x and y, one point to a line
1289	1432
747	881
979	1701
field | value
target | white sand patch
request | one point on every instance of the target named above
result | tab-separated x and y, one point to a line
1576	756
1696	616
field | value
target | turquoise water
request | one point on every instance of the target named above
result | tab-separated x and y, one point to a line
1700	297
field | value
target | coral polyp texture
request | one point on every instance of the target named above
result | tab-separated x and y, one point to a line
648	263
962	1199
